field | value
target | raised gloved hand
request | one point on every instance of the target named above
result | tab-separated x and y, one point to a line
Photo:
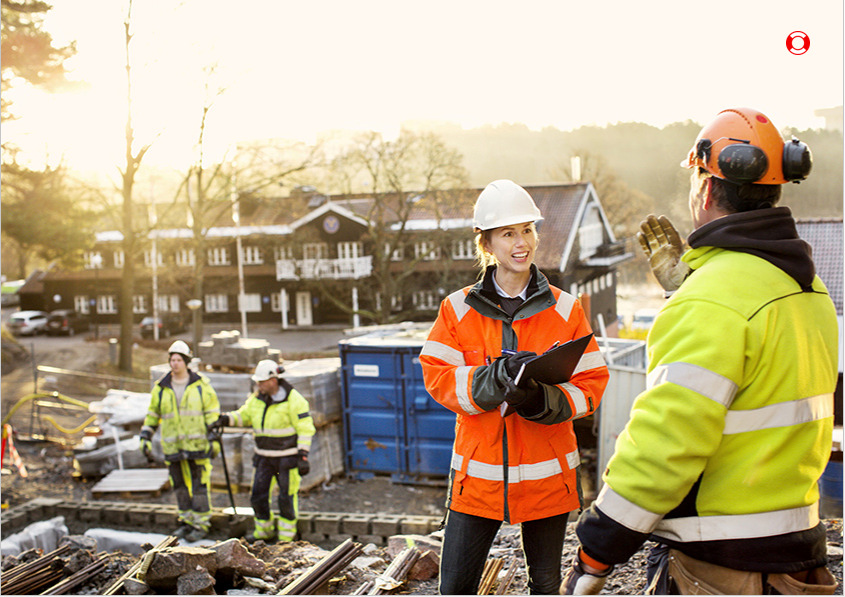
663	247
146	446
583	579
303	465
514	362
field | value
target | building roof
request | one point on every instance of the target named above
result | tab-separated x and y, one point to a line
825	237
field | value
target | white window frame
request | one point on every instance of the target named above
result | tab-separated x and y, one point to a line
119	258
590	233
276	302
426	250
315	251
81	304
426	300
139	303
350	250
107	303
282	252
463	249
219	256
217	303
397	254
148	258
185	257
252	255
168	303
90	257
252	302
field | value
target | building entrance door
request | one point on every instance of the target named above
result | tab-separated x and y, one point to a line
303	309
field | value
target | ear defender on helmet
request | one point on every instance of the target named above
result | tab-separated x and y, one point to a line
742	146
797	160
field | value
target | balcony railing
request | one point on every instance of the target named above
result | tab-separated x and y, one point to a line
331	269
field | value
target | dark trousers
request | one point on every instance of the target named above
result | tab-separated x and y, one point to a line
467	541
266	469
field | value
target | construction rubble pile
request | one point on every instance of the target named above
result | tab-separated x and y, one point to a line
228	567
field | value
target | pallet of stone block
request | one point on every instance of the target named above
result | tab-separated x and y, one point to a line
318	380
133	481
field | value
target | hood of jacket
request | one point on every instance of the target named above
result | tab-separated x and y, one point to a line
766	233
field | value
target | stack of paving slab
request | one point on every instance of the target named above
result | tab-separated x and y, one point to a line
228	350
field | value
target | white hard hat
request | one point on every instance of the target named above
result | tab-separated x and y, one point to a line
267	369
504	203
180	347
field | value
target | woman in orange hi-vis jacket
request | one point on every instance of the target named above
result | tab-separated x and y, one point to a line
522	467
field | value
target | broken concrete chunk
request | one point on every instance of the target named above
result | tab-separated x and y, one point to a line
133	586
232	556
397	543
426	567
169	564
196	582
80	542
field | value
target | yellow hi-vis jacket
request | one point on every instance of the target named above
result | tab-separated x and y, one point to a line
281	428
723	451
184	426
510	468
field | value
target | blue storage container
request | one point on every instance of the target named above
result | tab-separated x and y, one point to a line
391	423
830	487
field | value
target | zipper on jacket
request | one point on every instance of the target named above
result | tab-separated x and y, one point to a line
507	514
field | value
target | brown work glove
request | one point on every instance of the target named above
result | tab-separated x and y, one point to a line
663	247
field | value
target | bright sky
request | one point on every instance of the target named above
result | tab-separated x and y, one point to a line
295	68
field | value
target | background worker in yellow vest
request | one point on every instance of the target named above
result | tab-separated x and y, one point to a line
515	456
283	429
720	461
184	404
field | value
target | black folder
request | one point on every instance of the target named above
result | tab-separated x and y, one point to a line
557	364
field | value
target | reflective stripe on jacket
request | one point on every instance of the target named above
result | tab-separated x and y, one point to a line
730	437
511	468
184	426
281	428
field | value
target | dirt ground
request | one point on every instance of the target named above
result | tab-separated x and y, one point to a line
50	468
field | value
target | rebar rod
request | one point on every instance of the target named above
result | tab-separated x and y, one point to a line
79	577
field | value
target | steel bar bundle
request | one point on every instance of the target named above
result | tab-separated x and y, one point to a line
506	581
314	578
28	578
79	577
489	576
396	573
118	584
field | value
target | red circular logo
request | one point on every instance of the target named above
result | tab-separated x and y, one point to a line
797	42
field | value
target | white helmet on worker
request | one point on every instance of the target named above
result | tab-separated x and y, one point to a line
181	347
504	203
267	369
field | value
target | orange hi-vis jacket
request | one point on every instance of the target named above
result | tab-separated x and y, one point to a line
511	468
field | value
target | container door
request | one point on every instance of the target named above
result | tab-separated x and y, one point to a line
430	426
372	409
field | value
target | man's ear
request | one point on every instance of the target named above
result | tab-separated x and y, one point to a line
708	194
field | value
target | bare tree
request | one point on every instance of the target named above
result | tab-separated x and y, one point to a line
415	174
624	206
130	235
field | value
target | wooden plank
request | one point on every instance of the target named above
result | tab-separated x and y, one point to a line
133	480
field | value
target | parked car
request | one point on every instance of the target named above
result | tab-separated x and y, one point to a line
68	322
168	324
643	319
28	323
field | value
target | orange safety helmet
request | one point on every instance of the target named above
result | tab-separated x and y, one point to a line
741	145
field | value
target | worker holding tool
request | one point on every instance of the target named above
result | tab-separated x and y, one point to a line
720	461
283	429
522	468
184	404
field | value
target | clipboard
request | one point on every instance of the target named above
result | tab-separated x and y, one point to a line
557	364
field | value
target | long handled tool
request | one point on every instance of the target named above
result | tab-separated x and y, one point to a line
218	437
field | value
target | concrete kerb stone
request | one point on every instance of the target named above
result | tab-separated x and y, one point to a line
386	524
328	523
358	524
418	525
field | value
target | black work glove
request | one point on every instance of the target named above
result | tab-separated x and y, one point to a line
527	397
221	422
303	465
514	362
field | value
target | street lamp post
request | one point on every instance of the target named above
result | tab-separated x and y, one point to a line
194	305
96	263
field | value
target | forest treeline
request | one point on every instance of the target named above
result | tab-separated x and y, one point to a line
638	162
